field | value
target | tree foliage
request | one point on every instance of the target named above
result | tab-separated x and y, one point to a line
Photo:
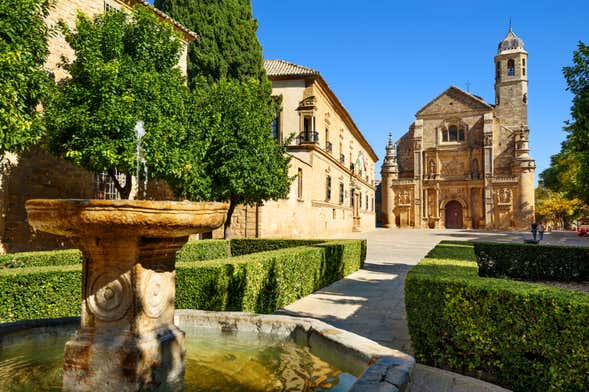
556	207
233	108
234	157
23	82
227	46
569	171
125	70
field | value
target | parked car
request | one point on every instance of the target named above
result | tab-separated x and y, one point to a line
583	227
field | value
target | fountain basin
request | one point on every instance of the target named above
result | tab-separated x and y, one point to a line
127	340
378	368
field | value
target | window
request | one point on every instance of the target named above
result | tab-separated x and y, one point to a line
105	187
360	198
300	184
498	71
341	193
373	204
510	67
524	67
453	134
276	126
328	188
453	130
366	202
109	7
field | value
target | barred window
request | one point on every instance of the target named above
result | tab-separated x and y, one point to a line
328	188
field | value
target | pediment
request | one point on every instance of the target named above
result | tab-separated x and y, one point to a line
454	100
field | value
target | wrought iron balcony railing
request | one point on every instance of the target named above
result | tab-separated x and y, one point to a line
308	138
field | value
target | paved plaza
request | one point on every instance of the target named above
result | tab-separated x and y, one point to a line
370	302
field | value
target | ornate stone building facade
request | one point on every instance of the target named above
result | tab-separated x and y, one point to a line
332	164
465	163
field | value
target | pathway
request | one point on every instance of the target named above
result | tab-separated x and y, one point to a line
370	302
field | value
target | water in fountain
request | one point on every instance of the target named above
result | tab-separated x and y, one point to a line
140	158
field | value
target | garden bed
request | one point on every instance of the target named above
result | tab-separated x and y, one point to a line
523	336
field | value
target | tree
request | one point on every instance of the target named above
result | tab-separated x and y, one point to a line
227	46
23	82
233	147
233	107
125	70
562	174
555	207
577	77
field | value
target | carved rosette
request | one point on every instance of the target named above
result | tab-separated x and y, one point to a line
111	296
156	293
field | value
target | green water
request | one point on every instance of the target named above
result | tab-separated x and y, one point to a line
214	362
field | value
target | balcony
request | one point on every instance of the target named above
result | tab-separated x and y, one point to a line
308	138
329	147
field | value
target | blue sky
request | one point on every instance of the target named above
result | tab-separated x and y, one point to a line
385	59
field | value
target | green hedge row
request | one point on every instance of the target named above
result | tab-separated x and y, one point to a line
533	262
523	336
259	282
192	251
40	259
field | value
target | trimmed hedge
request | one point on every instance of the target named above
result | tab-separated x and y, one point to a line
40	259
246	246
192	251
533	262
523	336
260	282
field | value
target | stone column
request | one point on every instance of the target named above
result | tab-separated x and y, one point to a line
525	168
128	340
389	174
488	169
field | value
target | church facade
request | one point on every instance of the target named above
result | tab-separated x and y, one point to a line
465	163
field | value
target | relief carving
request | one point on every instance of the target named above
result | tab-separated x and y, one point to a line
111	296
503	196
404	198
453	168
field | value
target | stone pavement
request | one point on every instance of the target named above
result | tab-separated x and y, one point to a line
370	302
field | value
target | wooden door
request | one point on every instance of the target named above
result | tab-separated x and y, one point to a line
453	215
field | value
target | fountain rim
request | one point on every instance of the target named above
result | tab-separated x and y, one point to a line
81	217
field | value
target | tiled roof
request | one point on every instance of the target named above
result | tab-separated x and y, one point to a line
284	68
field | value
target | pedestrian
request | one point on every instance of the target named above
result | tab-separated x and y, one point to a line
541	231
534	229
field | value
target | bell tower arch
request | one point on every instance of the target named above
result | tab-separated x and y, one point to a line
511	82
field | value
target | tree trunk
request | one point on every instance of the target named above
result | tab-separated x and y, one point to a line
125	191
227	227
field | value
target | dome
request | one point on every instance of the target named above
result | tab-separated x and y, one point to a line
511	42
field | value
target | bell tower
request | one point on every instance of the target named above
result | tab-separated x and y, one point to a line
511	109
511	82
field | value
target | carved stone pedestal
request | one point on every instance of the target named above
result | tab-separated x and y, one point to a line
127	339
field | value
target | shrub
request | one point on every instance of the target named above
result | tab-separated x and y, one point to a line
533	262
192	251
246	246
259	282
202	250
524	336
40	259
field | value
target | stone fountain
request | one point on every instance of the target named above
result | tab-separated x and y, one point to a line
127	340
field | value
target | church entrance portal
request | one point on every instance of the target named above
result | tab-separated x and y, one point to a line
453	215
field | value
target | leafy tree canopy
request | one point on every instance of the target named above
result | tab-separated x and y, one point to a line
23	82
125	70
227	46
232	139
555	207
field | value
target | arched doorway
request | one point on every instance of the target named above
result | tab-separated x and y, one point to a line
453	215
